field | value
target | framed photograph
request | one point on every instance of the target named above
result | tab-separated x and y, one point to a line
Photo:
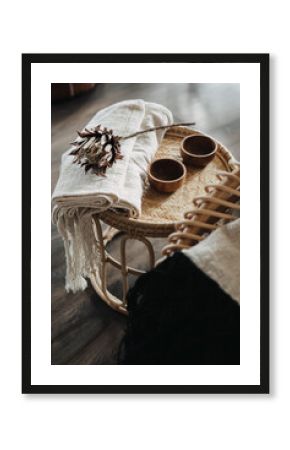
145	252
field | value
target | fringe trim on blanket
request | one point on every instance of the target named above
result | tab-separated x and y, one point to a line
82	253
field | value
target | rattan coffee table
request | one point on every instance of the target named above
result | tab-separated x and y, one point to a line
161	214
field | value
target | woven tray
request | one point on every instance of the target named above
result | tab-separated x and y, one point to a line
161	212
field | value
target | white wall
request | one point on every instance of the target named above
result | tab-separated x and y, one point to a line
74	422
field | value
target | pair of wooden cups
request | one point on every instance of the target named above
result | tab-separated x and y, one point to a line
167	174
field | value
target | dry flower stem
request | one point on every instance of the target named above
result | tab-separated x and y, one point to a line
162	127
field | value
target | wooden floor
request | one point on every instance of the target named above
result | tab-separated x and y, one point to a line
83	329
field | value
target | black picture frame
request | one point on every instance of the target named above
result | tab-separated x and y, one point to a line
263	61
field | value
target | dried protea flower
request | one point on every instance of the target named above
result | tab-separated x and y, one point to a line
96	149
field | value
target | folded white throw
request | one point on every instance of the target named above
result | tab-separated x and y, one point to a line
79	195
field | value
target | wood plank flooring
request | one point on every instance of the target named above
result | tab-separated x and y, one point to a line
83	329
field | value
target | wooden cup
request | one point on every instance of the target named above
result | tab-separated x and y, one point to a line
166	174
198	150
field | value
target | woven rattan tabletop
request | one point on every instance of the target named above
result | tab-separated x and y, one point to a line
161	212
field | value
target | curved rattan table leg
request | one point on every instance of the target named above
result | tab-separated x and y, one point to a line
99	279
125	269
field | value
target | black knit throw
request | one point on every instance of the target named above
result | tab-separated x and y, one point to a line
178	315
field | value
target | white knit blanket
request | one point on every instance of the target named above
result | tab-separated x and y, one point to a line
219	257
79	195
